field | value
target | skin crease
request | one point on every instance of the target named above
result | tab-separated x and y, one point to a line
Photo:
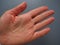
18	29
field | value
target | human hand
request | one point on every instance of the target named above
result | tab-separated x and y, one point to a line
20	29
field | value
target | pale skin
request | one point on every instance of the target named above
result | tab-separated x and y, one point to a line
20	29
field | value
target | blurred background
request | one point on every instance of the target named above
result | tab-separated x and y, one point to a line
53	38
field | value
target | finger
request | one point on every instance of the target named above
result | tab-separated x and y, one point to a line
41	33
43	23
36	11
18	9
42	16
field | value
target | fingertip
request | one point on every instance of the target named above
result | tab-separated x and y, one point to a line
46	7
48	28
52	11
24	3
52	18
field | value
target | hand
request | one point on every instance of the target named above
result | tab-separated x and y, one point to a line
21	29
